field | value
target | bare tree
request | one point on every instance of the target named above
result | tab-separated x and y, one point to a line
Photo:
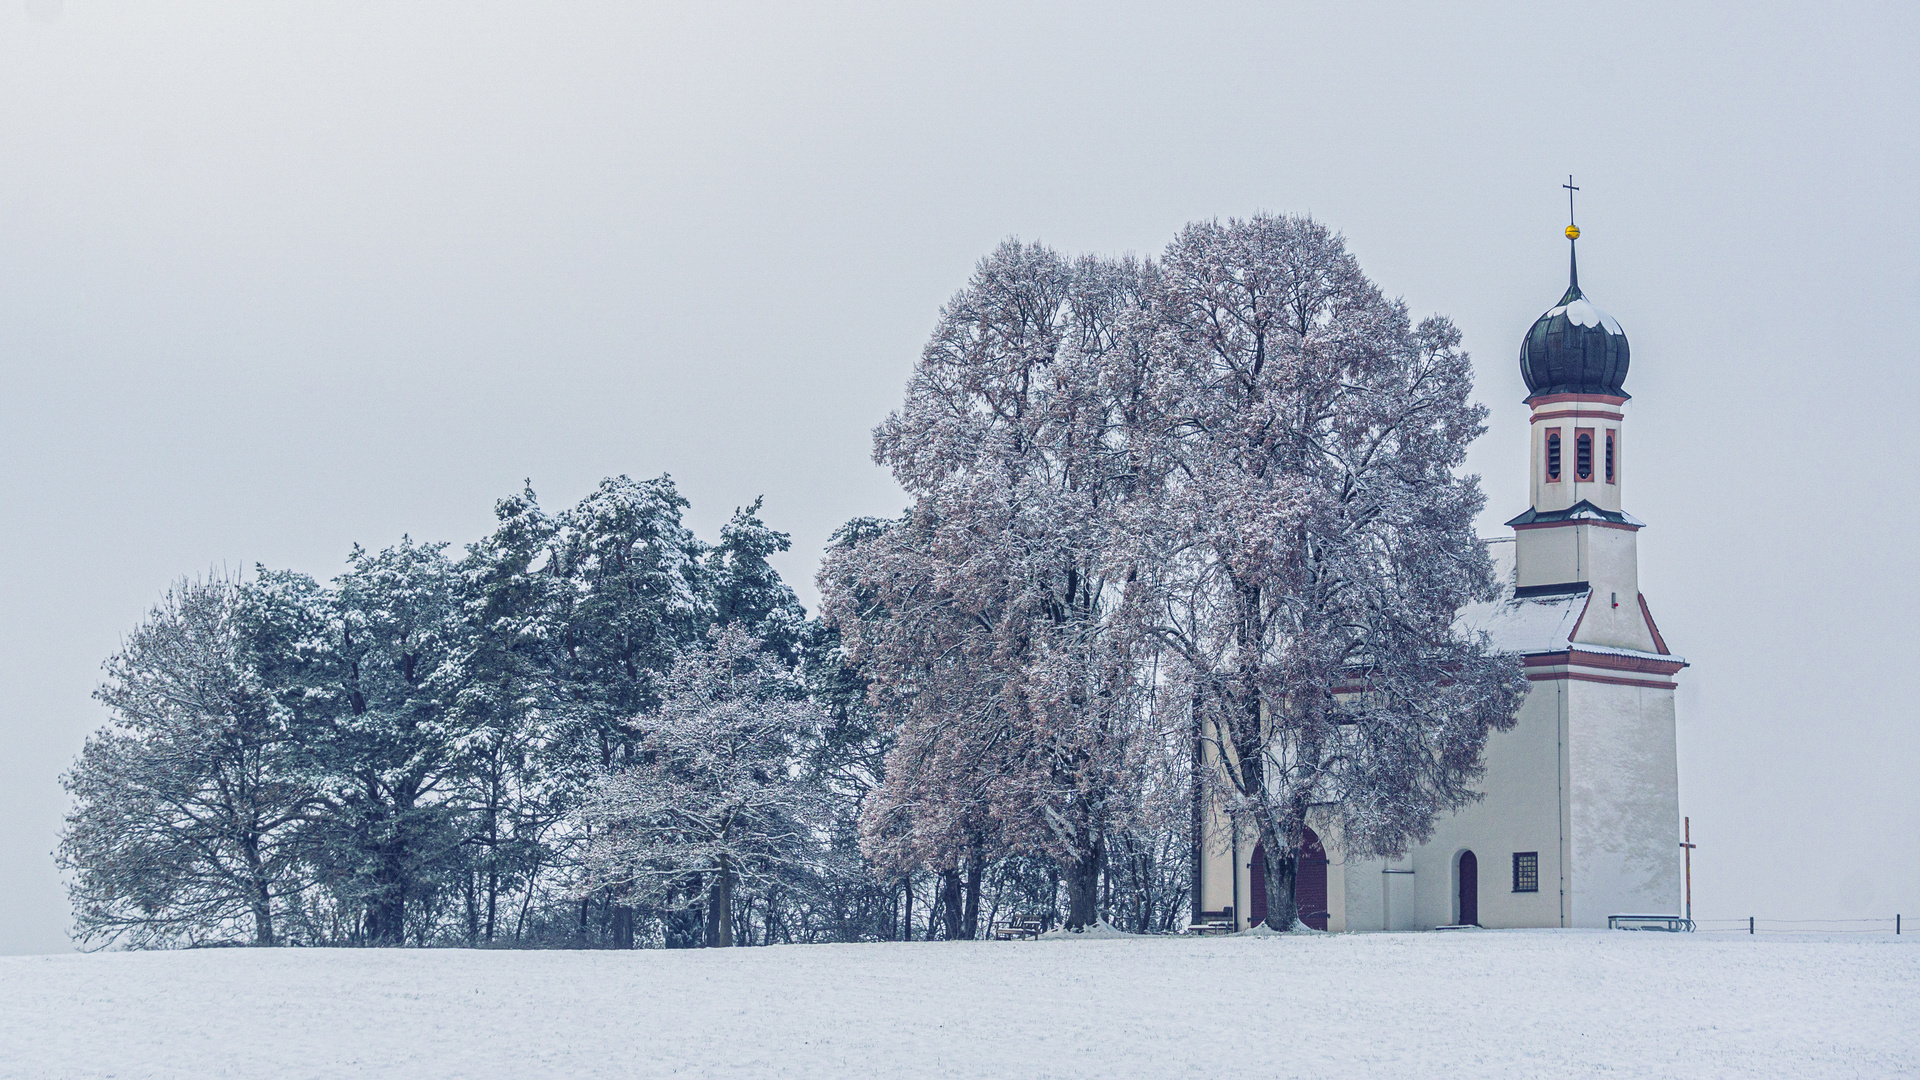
987	616
1312	542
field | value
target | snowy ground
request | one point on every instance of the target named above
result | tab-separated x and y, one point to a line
1479	1004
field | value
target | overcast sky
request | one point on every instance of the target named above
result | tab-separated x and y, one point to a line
276	279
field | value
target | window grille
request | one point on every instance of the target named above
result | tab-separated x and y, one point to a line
1553	455
1609	457
1526	871
1583	456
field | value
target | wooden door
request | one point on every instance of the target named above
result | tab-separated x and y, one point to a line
1469	889
1309	883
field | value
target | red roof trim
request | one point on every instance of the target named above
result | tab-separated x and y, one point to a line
1583	615
1577	657
1581	676
1659	643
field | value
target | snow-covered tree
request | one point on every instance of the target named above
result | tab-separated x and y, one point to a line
987	616
712	791
393	748
746	589
1312	541
188	809
637	595
511	784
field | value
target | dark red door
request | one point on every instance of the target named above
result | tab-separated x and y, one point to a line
1469	889
1309	883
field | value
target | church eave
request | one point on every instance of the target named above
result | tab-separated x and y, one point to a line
1582	511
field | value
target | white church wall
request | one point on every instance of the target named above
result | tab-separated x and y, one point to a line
1547	556
1519	813
1624	802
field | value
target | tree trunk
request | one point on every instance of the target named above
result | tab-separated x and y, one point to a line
473	910
1282	867
1197	809
387	915
1083	888
950	902
970	925
493	898
720	908
906	920
262	915
623	927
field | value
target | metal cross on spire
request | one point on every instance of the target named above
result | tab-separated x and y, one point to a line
1573	233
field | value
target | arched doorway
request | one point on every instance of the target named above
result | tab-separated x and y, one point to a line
1469	889
1309	884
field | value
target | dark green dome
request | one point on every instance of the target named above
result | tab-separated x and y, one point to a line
1575	348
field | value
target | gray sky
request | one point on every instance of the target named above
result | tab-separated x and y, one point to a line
280	278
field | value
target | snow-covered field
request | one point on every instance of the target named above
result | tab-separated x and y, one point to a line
1479	1004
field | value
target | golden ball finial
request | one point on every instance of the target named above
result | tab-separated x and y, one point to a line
1573	232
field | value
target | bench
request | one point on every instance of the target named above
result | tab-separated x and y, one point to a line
1213	922
1016	929
1673	924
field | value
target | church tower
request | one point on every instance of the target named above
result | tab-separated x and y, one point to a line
1575	535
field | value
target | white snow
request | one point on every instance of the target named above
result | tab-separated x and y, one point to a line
1099	931
1582	312
1498	1003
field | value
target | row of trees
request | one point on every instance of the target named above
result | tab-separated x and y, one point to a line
1185	535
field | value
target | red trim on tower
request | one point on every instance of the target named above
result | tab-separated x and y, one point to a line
1591	399
1578	657
1587	414
1659	643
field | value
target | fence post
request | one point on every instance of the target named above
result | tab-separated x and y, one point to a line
1749	924
1896	925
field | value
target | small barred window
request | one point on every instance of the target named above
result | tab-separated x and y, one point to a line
1526	871
1553	455
1583	456
1610	457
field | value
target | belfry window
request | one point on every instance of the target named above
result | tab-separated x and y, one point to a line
1553	456
1610	478
1583	456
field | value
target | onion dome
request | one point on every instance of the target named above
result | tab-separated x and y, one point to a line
1575	348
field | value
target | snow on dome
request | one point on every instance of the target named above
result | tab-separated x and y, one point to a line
1583	312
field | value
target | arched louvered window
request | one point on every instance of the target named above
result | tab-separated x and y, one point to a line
1583	456
1610	473
1553	456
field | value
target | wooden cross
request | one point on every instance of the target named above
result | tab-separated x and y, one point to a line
1687	841
1570	190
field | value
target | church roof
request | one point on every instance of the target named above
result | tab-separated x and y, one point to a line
1534	620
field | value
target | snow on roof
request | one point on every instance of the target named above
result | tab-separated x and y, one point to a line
1533	625
1530	625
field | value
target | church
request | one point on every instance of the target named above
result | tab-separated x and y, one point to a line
1582	804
